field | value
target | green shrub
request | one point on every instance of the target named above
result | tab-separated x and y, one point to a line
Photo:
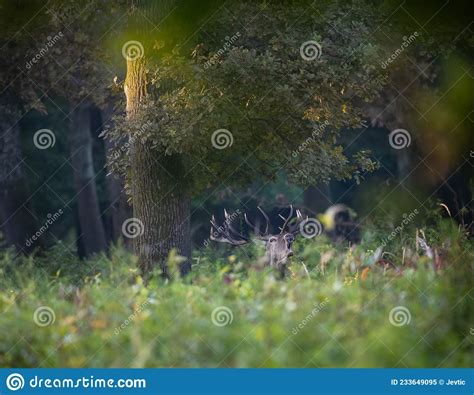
332	310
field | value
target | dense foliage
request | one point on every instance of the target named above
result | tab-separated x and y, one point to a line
332	311
258	83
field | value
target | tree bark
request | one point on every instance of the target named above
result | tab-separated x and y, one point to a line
92	228
119	209
16	215
404	164
160	198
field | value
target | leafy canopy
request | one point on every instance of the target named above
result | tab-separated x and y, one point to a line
246	74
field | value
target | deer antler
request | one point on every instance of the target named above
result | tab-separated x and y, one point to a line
295	229
292	228
256	229
282	229
226	233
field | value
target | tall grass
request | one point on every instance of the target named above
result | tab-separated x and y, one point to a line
338	307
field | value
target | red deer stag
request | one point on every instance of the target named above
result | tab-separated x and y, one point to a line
277	246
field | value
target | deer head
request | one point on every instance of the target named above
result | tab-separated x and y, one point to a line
278	247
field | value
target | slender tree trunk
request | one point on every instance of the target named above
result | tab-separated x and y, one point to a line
81	251
160	198
119	209
404	164
16	214
90	221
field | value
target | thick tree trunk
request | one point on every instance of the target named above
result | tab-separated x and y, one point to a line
162	204
90	221
16	214
160	198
